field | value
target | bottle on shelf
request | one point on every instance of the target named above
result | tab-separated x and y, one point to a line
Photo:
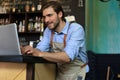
37	24
1	21
27	7
13	9
39	6
42	29
3	8
20	8
20	26
17	25
30	25
23	26
14	6
42	25
33	9
7	21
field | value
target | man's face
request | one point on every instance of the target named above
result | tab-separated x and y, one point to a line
51	18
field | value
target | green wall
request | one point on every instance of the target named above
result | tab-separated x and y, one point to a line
103	26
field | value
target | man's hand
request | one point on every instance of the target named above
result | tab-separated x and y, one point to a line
30	51
27	49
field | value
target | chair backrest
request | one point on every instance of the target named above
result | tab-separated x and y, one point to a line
110	74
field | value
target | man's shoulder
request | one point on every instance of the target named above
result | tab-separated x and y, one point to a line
75	25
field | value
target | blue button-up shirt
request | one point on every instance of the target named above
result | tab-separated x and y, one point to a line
75	41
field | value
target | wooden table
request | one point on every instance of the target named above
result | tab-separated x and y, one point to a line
26	68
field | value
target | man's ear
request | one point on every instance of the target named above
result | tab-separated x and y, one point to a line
60	14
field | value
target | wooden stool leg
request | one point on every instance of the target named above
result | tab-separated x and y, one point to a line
108	73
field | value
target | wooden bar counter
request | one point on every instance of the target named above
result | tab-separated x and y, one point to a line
25	67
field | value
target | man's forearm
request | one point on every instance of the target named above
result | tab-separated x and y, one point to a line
60	57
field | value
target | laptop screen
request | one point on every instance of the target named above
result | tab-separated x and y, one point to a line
9	42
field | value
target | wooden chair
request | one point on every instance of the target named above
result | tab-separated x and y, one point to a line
110	74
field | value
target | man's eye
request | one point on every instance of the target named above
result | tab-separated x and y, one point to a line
49	15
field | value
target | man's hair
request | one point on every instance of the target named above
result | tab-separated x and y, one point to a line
56	7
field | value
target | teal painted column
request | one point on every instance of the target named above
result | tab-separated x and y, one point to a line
103	26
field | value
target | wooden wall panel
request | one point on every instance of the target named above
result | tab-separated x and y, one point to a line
45	71
12	71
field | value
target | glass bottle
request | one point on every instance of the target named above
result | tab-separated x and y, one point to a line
33	8
20	26
27	6
37	24
30	25
42	25
23	26
42	29
13	8
7	21
39	6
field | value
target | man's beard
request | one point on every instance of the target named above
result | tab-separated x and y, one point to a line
55	25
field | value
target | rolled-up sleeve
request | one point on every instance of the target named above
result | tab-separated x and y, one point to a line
75	41
44	44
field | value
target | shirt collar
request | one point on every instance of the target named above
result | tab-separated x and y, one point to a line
65	29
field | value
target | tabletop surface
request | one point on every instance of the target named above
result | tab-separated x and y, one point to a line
23	59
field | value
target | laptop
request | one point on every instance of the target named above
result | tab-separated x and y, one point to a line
9	41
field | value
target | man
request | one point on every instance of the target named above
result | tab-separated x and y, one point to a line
63	43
